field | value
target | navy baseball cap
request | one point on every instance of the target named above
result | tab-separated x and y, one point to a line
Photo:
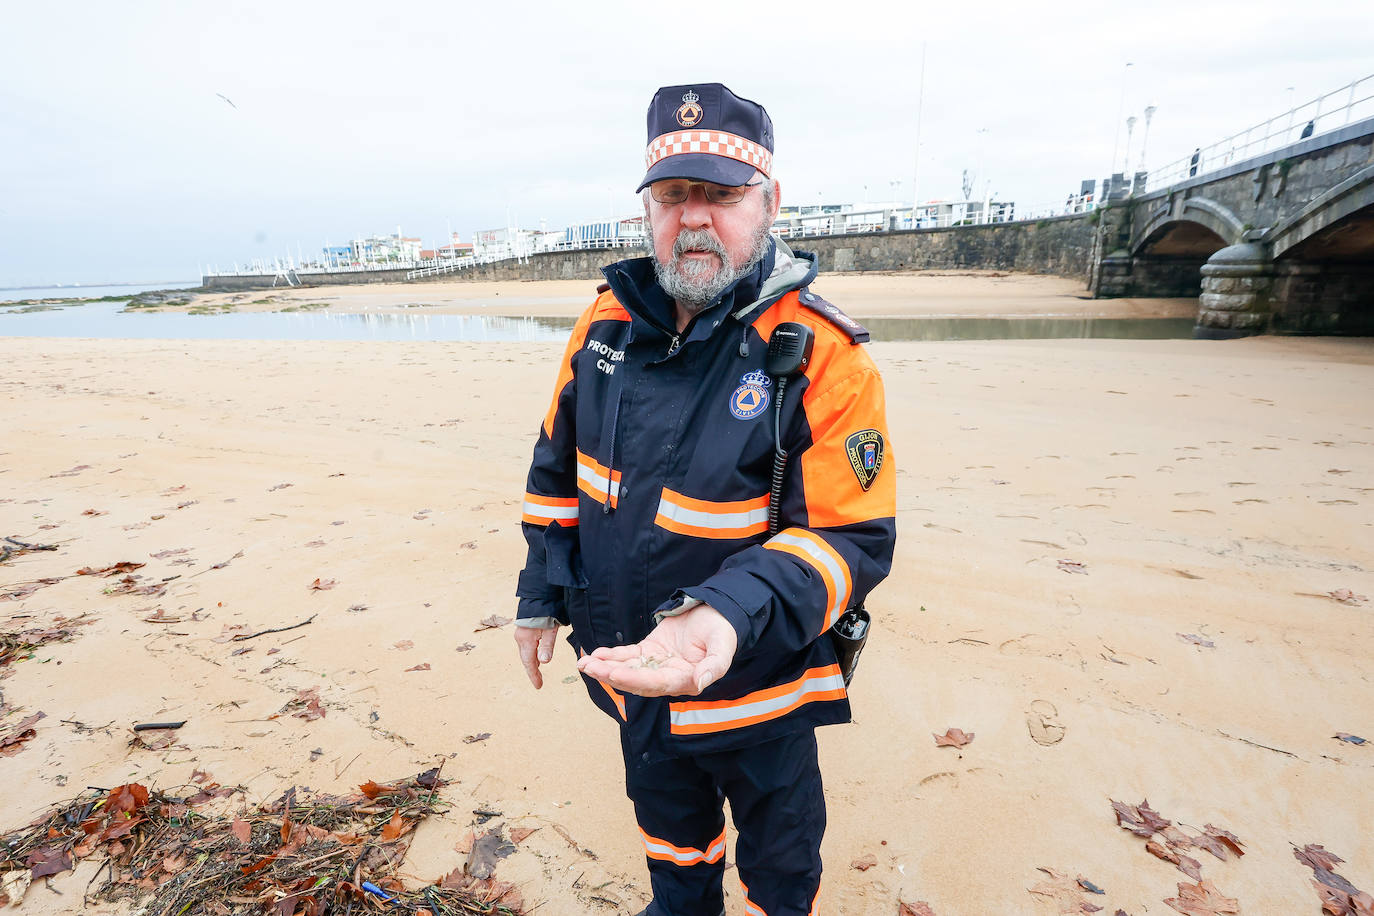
707	133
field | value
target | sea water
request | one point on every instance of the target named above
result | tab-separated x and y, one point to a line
107	320
18	294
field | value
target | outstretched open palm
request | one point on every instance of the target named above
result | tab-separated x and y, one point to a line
681	657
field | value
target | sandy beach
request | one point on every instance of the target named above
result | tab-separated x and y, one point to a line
1132	569
986	294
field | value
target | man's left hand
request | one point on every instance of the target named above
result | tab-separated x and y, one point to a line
681	657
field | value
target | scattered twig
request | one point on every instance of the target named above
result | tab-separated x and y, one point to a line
149	726
1266	747
246	636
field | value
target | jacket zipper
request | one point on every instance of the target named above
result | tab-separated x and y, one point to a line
673	345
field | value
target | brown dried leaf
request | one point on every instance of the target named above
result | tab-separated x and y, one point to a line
464	844
864	863
306	705
1190	867
953	737
117	569
320	585
1065	892
491	623
520	834
12	742
1202	899
489	847
1210	844
242	830
404	645
1128	818
227	632
372	789
395	827
919	908
1159	852
1226	838
1314	856
1176	838
423	666
1346	596
49	860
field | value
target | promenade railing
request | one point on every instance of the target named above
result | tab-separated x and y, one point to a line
1352	102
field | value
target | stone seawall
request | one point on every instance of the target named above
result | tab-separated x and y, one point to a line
265	281
1061	246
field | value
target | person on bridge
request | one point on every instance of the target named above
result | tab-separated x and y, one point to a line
1193	163
647	515
1307	130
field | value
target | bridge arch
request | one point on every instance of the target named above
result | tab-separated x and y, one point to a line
1198	228
1338	225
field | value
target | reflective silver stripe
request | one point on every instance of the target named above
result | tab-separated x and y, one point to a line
539	510
721	715
827	565
597	481
752	908
700	519
686	858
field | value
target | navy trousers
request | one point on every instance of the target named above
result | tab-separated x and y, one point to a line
776	798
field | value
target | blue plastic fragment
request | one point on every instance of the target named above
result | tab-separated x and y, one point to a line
377	891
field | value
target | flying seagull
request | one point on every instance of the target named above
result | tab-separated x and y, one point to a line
227	99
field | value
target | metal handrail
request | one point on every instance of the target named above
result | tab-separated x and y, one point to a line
1275	133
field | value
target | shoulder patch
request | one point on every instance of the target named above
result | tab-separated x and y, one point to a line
856	332
603	288
865	451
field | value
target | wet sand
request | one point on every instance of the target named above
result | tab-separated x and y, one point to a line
985	294
1076	517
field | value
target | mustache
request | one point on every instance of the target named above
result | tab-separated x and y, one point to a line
698	240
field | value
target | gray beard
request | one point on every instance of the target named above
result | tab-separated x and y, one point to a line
692	284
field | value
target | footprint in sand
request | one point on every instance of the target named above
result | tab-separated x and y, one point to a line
1042	721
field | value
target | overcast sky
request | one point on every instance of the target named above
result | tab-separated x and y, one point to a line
119	161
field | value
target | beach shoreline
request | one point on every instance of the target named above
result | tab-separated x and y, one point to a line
934	293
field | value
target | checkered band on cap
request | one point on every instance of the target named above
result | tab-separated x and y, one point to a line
711	142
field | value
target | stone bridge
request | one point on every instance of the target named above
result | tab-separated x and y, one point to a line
1282	242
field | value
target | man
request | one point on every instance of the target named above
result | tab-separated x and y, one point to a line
647	516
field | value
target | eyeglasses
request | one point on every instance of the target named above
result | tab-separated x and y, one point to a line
677	190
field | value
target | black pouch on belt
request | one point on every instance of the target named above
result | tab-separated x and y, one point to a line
848	636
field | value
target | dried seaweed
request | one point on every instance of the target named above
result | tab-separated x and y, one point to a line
20	644
304	854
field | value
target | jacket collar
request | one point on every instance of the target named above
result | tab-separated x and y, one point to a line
779	272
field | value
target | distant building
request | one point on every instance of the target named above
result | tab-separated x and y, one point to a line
337	255
386	248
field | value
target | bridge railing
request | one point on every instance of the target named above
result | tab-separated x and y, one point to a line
1337	108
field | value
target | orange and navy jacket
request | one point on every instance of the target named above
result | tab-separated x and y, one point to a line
650	486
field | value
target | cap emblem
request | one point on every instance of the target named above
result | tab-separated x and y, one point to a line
689	113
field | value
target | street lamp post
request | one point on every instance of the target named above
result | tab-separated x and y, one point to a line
1120	107
1145	138
1130	129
